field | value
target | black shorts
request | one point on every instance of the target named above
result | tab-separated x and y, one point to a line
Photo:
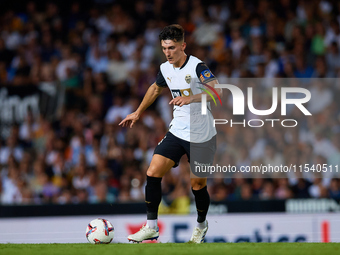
174	148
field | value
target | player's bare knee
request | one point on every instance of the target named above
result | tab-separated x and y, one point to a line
198	184
153	172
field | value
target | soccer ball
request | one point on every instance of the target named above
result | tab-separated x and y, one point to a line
99	231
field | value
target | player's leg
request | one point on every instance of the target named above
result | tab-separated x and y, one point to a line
201	154
159	166
202	200
153	194
167	155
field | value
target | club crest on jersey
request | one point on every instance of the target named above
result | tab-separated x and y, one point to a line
188	78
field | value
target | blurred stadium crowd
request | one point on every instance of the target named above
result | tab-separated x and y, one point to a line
106	54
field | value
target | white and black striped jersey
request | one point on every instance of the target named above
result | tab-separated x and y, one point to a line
188	123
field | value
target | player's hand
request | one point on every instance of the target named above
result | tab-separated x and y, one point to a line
180	101
129	120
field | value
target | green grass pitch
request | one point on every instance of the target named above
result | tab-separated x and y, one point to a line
172	249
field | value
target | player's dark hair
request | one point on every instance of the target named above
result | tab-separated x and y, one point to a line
173	32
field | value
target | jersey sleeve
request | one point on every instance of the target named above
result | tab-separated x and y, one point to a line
160	81
203	73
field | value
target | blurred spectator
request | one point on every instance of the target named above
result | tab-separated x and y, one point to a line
117	111
117	69
333	59
12	147
67	65
334	191
97	60
301	189
10	191
246	192
267	193
272	157
81	179
283	191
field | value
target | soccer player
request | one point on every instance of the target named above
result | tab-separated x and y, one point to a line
178	73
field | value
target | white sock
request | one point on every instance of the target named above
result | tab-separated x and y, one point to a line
152	223
202	225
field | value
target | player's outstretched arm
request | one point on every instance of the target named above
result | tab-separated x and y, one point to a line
153	92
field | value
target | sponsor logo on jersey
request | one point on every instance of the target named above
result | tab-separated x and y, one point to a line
169	78
176	93
186	92
181	92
